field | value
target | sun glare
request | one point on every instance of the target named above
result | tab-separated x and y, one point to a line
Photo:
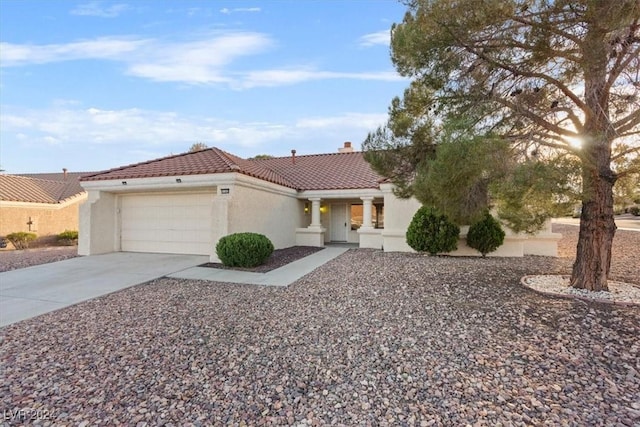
575	142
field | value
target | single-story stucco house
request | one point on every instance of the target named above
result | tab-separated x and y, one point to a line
185	203
45	203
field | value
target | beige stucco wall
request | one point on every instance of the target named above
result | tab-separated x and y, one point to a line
272	213
98	231
47	219
398	213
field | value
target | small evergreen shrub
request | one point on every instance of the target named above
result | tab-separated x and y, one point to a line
634	210
485	235
68	237
244	249
21	239
432	232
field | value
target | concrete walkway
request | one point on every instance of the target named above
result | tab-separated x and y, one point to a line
36	290
282	276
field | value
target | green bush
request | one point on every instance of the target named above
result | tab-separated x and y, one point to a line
68	237
432	232
244	249
634	210
21	239
485	235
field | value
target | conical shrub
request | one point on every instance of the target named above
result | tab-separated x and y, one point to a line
485	235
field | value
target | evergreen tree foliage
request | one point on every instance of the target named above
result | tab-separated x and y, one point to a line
521	105
198	146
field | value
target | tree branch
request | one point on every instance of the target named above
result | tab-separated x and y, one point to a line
627	123
625	152
536	118
551	29
557	83
620	66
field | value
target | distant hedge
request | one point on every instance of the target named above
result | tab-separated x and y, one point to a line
68	237
21	239
244	249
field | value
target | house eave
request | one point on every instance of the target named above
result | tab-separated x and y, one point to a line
184	183
350	193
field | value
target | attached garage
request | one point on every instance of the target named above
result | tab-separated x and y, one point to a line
178	223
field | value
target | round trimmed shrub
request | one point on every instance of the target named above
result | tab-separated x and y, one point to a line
432	232
244	249
485	235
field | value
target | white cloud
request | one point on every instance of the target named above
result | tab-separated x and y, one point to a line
200	61
363	121
96	8
131	129
12	55
379	38
227	11
206	60
268	78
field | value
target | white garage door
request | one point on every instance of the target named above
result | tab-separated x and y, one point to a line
166	223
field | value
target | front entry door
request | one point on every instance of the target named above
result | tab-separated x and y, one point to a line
339	222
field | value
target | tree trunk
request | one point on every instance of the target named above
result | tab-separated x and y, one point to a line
597	228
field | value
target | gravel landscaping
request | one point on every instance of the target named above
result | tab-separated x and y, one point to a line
370	338
12	260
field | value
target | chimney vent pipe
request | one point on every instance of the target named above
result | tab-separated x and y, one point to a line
347	148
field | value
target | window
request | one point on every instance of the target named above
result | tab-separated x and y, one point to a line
377	215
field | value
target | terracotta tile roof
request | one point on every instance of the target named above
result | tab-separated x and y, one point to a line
208	161
33	190
312	172
335	171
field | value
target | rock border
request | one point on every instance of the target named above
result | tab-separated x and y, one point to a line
540	284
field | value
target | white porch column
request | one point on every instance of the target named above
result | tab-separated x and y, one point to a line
367	203
315	213
313	235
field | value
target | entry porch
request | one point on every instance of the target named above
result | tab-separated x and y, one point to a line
349	219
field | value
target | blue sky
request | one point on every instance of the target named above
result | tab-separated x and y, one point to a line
91	85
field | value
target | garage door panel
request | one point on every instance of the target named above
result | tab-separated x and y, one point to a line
167	223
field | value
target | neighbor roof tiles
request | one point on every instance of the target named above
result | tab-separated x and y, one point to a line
32	190
73	186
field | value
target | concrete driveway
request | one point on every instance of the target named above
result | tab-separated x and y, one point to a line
32	291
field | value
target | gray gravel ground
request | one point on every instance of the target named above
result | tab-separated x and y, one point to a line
12	260
368	339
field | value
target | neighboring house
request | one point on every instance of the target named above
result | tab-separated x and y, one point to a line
45	204
185	203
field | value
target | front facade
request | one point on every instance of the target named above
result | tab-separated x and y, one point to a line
186	203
